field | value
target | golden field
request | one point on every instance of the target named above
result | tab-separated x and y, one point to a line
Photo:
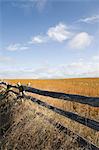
25	127
81	86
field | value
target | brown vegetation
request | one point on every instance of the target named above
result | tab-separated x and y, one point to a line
86	86
23	128
82	86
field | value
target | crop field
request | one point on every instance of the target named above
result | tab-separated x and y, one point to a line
80	86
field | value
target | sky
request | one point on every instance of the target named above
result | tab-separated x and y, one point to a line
42	39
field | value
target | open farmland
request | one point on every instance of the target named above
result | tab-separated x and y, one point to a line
82	86
75	86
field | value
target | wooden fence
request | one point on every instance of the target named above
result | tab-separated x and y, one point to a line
91	101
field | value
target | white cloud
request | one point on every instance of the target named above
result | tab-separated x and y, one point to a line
59	33
91	19
38	39
16	47
4	59
79	68
80	41
96	58
13	47
23	48
82	68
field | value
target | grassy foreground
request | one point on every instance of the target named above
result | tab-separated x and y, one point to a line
83	86
24	127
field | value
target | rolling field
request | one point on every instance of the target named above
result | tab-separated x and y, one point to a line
81	86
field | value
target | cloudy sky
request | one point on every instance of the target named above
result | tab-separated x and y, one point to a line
49	38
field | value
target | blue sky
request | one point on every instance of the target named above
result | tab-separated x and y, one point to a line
49	38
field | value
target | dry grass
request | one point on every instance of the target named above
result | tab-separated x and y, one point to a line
83	86
83	110
29	131
86	86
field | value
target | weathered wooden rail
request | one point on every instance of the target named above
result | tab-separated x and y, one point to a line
85	121
92	101
81	140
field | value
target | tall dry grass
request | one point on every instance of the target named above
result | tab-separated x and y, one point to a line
83	86
30	131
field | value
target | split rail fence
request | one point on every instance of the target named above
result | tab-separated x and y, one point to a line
91	101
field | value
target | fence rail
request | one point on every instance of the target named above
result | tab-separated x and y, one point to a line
81	140
85	121
82	120
91	101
